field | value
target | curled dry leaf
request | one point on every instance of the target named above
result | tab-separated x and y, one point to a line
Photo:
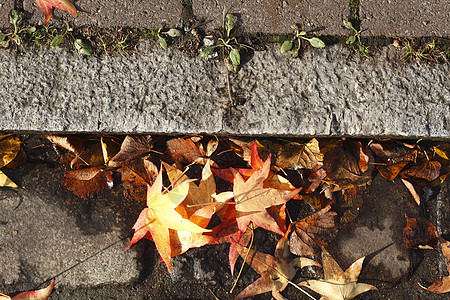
337	284
296	156
41	294
427	170
72	143
184	150
48	5
420	232
133	147
346	163
9	149
88	181
136	175
411	189
393	157
313	232
276	271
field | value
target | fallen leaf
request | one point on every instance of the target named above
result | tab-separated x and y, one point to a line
297	156
273	180
411	189
443	150
41	294
160	216
276	271
136	175
184	150
72	143
420	232
198	207
427	170
48	5
133	147
337	284
87	182
392	156
252	199
346	163
442	285
9	149
5	181
312	233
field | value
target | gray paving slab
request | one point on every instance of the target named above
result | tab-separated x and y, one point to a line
112	13
276	16
5	7
405	18
328	92
41	238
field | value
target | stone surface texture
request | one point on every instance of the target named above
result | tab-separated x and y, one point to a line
379	224
326	92
399	18
5	7
41	239
276	16
112	13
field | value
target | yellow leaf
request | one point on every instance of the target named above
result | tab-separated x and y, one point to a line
6	182
339	285
8	151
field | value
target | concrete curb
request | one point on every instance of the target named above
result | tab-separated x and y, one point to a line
328	92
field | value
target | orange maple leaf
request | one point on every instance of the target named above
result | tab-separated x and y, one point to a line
160	216
48	5
252	199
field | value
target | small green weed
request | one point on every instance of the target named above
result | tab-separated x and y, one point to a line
15	18
173	32
427	52
82	46
300	35
354	41
231	47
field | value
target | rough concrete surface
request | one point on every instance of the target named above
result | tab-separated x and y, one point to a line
399	18
40	238
276	16
379	224
325	92
111	13
5	7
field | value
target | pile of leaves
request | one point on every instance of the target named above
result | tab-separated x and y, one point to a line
203	190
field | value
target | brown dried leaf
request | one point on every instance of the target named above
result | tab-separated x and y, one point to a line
133	146
313	232
136	175
419	232
427	170
393	156
346	164
298	156
184	150
72	143
88	181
